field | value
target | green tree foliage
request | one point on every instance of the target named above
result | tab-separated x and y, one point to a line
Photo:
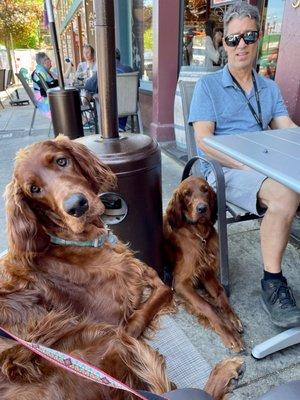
148	39
21	19
148	31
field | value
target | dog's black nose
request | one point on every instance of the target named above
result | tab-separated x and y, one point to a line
201	208
76	205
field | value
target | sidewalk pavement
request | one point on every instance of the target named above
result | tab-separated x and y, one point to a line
245	271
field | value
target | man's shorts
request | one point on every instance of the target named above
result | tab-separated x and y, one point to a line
242	188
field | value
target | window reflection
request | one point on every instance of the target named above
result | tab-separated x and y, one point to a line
269	44
202	35
142	37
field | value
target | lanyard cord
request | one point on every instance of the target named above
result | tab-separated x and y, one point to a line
258	118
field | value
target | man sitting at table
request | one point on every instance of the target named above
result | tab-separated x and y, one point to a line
237	99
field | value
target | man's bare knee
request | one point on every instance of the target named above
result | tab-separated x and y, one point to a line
279	199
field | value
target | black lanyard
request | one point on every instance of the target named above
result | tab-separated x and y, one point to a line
258	118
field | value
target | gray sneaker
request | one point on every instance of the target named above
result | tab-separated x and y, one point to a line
278	301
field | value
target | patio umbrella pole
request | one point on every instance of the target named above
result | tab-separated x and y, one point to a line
54	40
134	158
106	66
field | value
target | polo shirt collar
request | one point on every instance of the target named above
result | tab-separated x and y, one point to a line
227	79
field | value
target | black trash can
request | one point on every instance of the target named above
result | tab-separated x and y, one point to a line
66	112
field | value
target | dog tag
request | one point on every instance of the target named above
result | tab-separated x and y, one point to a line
111	238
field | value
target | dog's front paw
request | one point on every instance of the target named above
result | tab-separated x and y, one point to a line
18	364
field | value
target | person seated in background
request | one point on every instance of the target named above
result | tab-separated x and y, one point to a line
43	68
86	68
218	44
211	52
91	84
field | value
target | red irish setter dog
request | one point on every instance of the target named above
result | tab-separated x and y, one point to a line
191	251
57	289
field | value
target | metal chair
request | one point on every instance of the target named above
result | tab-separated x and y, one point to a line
236	214
30	94
8	77
2	83
43	82
127	98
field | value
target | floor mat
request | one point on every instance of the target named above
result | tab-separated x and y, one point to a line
185	366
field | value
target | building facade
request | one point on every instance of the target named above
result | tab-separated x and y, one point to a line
159	37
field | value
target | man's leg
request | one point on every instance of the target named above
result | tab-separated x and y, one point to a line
282	204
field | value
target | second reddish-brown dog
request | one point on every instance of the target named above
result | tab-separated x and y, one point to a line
191	251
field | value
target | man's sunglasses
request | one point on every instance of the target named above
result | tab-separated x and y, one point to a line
249	38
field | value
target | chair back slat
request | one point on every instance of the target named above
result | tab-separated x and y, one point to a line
186	91
27	88
8	77
43	82
127	93
2	80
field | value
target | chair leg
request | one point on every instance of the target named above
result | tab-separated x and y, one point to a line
32	120
139	117
95	118
8	95
222	228
223	238
281	341
132	123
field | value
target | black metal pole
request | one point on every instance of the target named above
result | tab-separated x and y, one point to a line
106	67
54	40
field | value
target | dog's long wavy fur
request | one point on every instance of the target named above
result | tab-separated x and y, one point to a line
88	302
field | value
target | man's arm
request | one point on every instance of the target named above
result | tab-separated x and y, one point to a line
205	129
282	123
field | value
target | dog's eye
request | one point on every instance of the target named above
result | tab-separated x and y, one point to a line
35	189
204	189
187	193
62	162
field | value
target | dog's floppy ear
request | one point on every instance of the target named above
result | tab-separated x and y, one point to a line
213	206
98	174
25	235
174	210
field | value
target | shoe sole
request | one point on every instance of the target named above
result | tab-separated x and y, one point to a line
278	323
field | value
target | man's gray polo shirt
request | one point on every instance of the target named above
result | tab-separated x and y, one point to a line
216	98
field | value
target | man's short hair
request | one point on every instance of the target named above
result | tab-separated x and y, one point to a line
241	9
40	57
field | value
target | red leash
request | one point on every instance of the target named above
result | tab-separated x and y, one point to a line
72	364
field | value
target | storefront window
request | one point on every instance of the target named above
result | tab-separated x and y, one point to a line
142	38
269	44
202	33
